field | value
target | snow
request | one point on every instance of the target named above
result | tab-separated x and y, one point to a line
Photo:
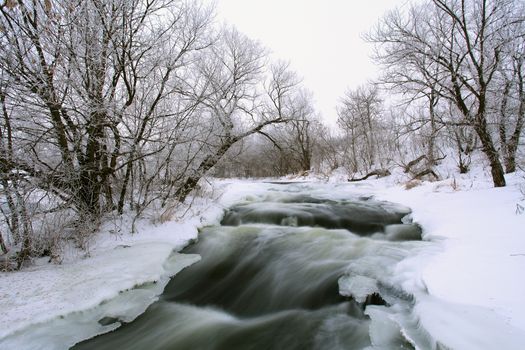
468	326
468	286
473	284
49	293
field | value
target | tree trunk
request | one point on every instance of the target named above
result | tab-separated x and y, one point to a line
12	220
496	168
124	189
27	231
191	182
512	144
378	172
431	154
90	180
479	122
3	246
355	168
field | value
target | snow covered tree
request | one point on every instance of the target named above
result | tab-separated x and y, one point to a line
509	108
115	106
229	89
458	46
360	118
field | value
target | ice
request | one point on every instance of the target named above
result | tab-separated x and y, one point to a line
85	293
64	331
384	331
358	287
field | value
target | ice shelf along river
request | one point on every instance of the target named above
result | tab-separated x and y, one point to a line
293	269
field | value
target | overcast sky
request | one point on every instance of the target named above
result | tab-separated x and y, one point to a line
321	39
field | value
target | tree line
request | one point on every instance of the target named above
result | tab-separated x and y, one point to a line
455	69
451	85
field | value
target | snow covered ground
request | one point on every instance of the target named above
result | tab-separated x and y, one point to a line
470	293
469	288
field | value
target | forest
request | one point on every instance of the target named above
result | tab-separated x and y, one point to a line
118	107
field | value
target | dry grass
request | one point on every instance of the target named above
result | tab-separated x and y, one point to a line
412	183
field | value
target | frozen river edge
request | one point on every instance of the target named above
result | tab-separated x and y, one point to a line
474	289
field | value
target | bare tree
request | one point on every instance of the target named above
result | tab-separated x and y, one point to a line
510	107
90	91
236	106
297	139
85	73
462	41
123	105
282	147
327	151
359	116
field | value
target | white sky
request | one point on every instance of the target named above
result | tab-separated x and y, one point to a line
321	39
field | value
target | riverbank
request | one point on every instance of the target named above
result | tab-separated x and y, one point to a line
53	306
469	293
471	283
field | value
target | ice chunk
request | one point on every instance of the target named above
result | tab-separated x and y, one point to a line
403	232
385	332
358	287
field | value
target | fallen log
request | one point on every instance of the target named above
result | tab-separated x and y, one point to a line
378	172
431	172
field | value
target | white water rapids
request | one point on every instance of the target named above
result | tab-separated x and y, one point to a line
287	271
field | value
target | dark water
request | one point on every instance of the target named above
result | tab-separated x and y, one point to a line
269	279
360	216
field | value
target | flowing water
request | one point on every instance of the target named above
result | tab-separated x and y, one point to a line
286	271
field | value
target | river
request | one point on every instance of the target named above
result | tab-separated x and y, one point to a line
289	270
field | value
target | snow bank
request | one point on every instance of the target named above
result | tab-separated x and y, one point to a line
53	306
91	297
40	294
470	291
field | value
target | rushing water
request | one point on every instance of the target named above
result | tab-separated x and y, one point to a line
290	271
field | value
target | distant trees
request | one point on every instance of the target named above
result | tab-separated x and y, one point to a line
111	106
452	51
371	133
296	141
360	117
286	147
